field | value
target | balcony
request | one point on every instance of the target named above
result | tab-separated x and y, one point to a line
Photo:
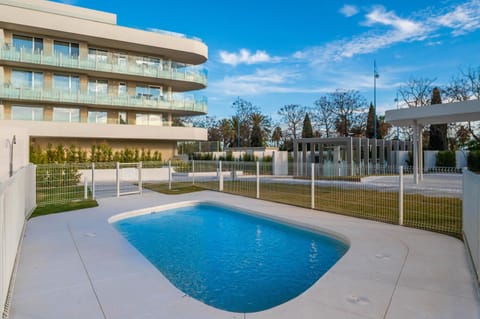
184	104
185	76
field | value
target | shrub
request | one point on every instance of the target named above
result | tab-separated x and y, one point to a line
446	159
473	161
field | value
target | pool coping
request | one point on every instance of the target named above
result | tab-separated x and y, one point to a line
76	265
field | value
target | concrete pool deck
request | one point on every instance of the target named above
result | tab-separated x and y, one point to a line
76	265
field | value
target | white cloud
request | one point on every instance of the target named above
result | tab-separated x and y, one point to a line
262	81
387	29
244	56
348	10
464	19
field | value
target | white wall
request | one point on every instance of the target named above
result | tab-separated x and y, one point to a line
20	149
17	201
471	216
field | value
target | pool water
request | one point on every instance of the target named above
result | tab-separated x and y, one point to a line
231	260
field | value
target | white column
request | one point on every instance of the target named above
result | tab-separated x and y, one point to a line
400	196
415	152
258	179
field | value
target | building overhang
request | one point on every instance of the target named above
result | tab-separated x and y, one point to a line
110	131
435	114
97	32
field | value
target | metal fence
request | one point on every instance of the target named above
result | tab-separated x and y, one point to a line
387	194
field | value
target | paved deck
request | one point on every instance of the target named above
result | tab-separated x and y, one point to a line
76	265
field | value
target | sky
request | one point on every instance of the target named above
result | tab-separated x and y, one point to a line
275	52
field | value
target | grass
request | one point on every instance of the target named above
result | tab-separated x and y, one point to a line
64	207
48	195
439	214
177	188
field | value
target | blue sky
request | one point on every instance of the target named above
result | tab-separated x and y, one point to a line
276	52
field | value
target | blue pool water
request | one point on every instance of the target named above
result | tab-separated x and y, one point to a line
229	260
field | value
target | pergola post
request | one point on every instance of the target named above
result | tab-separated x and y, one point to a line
415	152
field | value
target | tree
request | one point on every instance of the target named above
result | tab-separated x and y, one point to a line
292	115
416	92
438	132
307	130
370	122
464	87
323	115
277	135
261	126
349	109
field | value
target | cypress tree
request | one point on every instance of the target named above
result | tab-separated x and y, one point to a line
307	130
438	132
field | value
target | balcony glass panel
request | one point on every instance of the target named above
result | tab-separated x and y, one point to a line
98	60
27	113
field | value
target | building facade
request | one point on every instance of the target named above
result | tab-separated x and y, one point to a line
72	76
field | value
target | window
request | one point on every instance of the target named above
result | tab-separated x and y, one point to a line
64	114
1	112
99	117
27	113
148	119
66	83
122	89
68	49
27	79
155	92
98	87
27	43
122	117
98	55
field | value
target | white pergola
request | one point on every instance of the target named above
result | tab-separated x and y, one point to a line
418	117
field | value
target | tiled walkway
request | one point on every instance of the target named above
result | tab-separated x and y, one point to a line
76	265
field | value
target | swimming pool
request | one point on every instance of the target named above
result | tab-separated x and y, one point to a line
231	260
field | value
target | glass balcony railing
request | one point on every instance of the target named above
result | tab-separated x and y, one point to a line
162	70
183	103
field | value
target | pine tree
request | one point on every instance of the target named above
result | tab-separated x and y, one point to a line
307	130
438	132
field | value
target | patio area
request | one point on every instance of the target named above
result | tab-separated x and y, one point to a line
76	265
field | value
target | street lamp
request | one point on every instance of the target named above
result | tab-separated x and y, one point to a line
375	77
12	142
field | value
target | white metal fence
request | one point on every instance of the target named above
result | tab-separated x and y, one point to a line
471	217
17	201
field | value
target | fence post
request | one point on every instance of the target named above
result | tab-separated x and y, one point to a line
400	196
140	179
220	176
93	180
169	174
258	179
85	188
117	175
193	172
312	191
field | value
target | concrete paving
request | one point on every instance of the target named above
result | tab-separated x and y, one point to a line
76	265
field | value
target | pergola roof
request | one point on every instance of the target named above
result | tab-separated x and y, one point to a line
435	114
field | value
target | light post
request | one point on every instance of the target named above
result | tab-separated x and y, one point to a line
12	142
375	77
398	128
238	123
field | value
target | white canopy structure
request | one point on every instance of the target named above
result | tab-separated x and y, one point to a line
418	117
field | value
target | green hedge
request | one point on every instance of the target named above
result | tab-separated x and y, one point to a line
446	159
473	161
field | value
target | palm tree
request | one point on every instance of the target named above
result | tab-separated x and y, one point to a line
277	135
